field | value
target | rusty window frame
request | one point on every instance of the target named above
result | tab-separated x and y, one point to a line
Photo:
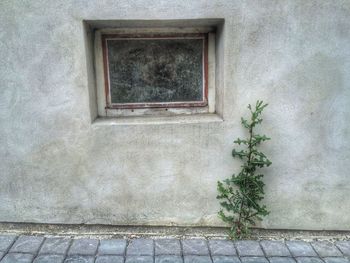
110	105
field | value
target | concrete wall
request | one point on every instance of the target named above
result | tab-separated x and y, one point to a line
59	165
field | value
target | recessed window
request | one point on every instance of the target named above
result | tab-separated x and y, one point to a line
155	70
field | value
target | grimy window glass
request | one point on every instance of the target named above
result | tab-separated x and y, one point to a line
155	71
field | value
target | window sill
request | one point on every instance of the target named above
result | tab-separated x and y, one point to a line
156	120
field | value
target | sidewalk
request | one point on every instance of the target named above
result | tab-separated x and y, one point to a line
48	249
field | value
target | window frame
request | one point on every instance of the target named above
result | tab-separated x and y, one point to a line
145	105
99	81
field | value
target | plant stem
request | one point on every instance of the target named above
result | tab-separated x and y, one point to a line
246	172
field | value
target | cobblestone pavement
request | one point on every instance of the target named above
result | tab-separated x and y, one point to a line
39	249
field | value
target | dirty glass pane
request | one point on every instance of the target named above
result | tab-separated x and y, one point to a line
155	70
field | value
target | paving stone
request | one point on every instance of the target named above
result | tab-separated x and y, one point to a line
326	249
55	246
249	248
140	247
139	259
344	247
168	259
6	241
17	258
301	249
195	247
281	260
336	260
309	260
225	259
197	259
167	247
1	255
254	260
49	259
27	244
84	246
112	247
222	248
275	248
79	259
109	259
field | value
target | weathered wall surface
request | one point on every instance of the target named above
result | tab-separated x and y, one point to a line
58	166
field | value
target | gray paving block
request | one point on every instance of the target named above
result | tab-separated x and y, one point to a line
254	260
167	247
222	248
17	258
84	246
6	241
79	259
281	260
55	245
197	259
309	260
109	259
168	259
249	248
301	249
49	259
27	244
140	247
112	247
344	247
275	248
326	249
225	259
139	259
336	260
195	247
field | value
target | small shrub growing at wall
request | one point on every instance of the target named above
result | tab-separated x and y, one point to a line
240	195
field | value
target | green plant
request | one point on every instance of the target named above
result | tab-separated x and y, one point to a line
240	194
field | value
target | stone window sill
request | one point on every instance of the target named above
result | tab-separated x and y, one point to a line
155	120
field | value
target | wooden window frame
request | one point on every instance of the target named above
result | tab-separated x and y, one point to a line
181	104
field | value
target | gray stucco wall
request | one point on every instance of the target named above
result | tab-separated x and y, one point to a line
58	165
